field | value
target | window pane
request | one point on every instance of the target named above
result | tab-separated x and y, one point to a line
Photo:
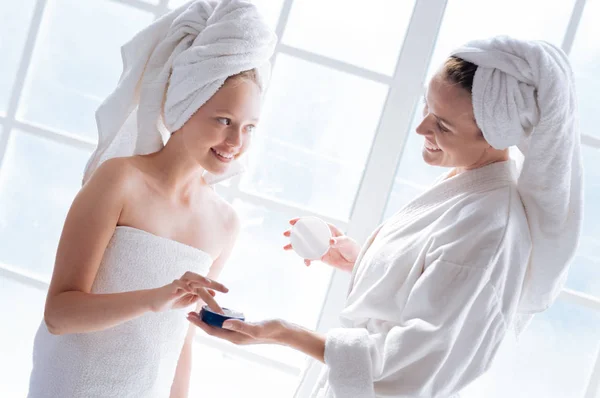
38	181
216	374
22	309
270	9
466	20
267	282
414	176
177	3
71	74
585	270
585	57
584	275
553	359
308	151
367	36
14	24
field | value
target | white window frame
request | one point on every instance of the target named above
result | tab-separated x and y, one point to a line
405	88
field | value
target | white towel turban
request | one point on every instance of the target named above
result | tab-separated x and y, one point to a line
524	95
171	68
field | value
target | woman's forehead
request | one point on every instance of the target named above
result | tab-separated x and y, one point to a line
447	100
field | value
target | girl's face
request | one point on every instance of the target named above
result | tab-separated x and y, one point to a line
221	130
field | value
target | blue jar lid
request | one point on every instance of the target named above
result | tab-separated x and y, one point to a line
214	319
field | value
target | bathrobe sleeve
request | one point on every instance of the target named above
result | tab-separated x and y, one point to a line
450	326
451	329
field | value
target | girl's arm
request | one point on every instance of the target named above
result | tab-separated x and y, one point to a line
90	224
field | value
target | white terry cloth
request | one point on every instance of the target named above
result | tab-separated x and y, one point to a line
173	67
524	95
433	292
137	358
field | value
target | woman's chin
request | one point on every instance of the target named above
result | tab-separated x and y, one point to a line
432	159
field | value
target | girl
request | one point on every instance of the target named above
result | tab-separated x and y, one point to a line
147	234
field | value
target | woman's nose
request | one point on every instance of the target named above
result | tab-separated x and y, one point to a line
424	128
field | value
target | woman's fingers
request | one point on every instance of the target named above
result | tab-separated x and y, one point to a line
335	231
241	327
195	319
338	239
229	335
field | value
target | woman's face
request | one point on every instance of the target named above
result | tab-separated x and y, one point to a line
452	138
220	131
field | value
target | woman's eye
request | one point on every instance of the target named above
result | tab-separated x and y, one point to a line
224	121
250	128
442	128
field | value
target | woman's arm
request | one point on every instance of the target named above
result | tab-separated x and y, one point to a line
307	341
181	382
274	331
429	352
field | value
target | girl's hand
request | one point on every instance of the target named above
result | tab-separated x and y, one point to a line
185	291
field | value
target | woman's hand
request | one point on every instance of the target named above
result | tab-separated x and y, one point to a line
273	331
343	250
244	333
185	291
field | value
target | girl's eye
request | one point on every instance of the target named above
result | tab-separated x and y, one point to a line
250	128
224	121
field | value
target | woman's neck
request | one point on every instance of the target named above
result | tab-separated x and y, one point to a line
494	157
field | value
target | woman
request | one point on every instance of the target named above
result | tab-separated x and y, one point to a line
147	234
436	287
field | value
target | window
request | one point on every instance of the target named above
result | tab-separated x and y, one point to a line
336	140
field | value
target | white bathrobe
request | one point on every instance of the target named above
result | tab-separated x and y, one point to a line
433	292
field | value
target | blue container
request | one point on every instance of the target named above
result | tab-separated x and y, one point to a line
214	319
